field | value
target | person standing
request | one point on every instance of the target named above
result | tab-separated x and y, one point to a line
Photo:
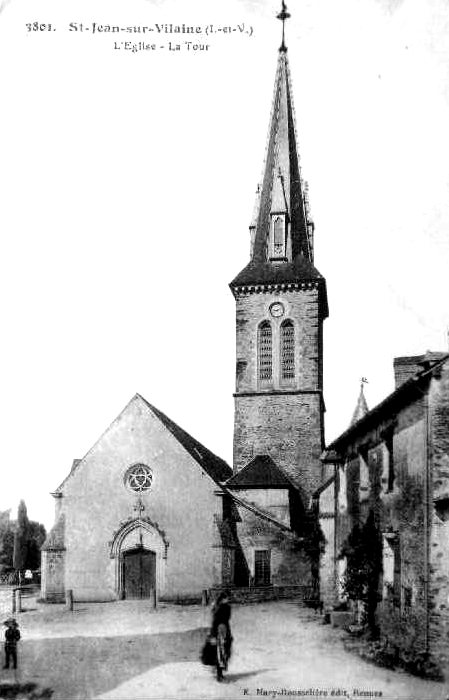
221	632
12	636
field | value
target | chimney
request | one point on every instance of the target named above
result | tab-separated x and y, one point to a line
406	367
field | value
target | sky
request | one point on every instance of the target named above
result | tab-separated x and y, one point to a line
128	181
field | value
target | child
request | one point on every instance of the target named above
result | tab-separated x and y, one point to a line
12	636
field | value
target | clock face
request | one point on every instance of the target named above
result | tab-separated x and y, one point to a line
276	309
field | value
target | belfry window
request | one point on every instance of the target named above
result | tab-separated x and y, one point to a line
265	351
287	350
278	237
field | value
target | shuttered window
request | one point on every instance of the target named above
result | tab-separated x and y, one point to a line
265	352
287	350
262	573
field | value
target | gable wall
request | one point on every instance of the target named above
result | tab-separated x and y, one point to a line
181	500
274	501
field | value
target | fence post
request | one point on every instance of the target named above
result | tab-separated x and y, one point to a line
13	601
69	600
19	600
204	598
153	602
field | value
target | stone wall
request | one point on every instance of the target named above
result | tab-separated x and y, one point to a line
256	594
288	562
288	427
439	551
302	307
281	418
52	581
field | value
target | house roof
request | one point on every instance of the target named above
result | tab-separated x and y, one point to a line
261	472
399	398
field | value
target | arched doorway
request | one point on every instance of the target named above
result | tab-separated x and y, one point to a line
139	549
139	573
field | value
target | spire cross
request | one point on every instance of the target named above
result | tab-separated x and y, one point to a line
363	381
283	15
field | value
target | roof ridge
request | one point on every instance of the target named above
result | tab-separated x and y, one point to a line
192	445
401	389
254	465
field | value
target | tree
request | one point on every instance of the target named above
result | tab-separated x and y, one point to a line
363	550
21	538
36	538
10	534
6	540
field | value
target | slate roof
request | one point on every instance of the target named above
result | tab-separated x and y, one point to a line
55	538
282	191
281	172
391	404
361	408
261	472
216	467
262	272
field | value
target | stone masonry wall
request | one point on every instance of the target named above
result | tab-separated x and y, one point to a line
328	591
52	585
439	551
301	306
286	427
289	565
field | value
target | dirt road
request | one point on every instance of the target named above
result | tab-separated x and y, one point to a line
126	651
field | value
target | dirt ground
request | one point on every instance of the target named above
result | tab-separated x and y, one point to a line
127	651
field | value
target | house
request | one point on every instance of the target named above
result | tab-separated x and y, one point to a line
391	477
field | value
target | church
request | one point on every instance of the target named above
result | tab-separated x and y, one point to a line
124	522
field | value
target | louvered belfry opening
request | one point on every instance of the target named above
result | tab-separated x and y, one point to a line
287	350
279	242
265	352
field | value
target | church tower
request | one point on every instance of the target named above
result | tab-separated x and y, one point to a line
281	303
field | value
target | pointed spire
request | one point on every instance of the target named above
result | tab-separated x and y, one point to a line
361	408
281	229
282	192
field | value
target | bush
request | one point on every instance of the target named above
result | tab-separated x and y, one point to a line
420	664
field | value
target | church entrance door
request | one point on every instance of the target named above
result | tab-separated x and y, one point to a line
139	573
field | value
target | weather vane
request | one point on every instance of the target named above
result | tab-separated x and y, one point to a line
283	15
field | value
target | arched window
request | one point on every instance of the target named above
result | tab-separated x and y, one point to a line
265	351
278	236
287	350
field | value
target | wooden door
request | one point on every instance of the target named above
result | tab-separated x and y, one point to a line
139	573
